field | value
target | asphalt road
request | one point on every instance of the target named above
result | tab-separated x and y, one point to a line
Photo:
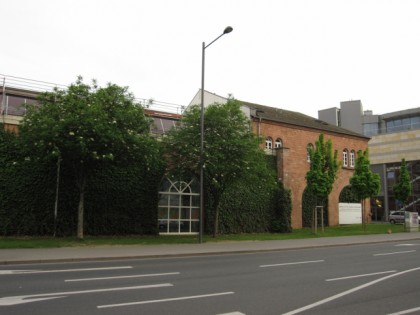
359	279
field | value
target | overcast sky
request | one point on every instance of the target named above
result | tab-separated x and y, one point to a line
297	55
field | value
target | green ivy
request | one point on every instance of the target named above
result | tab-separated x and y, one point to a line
308	201
120	199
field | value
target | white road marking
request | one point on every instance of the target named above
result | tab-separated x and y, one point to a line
395	253
363	275
14	272
124	277
233	313
293	263
407	245
360	287
19	272
15	300
19	300
412	310
166	300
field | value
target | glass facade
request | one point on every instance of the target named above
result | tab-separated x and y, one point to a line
15	105
402	124
370	129
389	174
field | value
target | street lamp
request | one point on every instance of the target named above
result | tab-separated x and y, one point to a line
226	31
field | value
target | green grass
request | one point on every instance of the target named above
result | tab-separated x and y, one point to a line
50	242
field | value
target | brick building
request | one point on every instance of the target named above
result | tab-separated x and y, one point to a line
287	135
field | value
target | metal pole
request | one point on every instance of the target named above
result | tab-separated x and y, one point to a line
56	195
202	145
203	48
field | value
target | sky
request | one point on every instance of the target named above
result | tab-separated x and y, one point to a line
299	55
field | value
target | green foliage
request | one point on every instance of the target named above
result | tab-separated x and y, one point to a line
281	222
402	189
252	205
320	179
364	182
120	199
231	152
348	195
323	168
309	201
89	127
108	158
122	193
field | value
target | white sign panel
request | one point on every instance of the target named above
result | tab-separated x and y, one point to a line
349	213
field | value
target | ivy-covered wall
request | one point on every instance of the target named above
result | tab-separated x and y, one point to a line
252	205
309	201
120	199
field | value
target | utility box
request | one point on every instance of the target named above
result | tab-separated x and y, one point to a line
411	221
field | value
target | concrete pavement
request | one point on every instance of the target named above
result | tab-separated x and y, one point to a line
69	254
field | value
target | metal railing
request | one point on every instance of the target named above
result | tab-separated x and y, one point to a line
30	86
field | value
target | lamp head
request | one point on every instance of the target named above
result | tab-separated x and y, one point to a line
228	30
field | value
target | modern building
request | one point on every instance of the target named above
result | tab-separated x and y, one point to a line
287	135
394	136
16	94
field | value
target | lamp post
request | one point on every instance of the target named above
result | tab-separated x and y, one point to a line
226	31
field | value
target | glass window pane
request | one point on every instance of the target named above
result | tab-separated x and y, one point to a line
163	213
174	226
195	214
195	226
174	213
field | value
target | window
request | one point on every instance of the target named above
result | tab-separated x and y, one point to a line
352	158
309	147
268	143
278	143
178	208
345	157
370	129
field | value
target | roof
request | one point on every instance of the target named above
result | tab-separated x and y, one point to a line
296	119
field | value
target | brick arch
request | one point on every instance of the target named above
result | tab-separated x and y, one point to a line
343	180
319	202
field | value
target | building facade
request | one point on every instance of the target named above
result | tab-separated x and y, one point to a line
394	136
287	135
16	94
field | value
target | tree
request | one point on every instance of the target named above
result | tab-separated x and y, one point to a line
323	168
364	182
87	126
230	148
402	189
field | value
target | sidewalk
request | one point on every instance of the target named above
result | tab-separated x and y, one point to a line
70	254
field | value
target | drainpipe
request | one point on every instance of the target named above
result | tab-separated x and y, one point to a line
258	112
3	96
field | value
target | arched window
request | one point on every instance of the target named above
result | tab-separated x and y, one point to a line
278	143
269	143
345	157
352	158
178	208
309	147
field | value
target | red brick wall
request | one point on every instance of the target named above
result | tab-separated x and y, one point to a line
292	162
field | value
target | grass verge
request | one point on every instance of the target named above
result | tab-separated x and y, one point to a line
50	242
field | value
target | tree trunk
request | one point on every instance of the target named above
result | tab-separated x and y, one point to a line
363	215
216	197
81	209
216	221
80	215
